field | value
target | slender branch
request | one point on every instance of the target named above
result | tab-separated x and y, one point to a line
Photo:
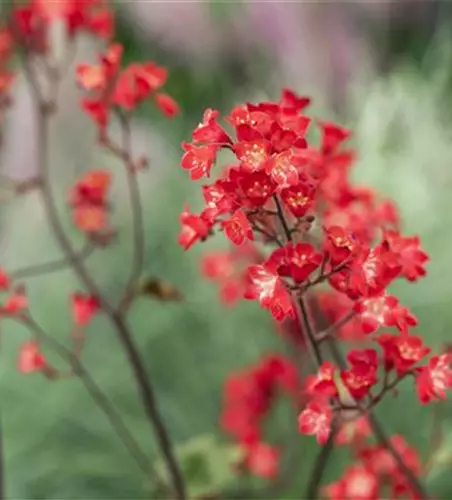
334	327
321	462
43	113
2	462
136	207
37	270
97	395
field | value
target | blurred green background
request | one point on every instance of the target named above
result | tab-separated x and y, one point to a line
395	95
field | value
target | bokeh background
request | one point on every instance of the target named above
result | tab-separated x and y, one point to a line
382	68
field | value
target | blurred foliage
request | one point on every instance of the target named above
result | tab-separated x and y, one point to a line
59	445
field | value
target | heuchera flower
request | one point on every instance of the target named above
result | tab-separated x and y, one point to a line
283	190
111	88
88	199
30	358
315	420
84	307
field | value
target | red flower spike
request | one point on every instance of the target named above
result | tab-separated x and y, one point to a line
30	358
209	130
238	229
263	460
315	420
199	160
84	307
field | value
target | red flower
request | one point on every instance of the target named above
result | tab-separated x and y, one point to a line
263	460
194	228
198	159
383	310
84	307
298	198
268	288
332	136
30	358
433	380
167	105
402	352
315	420
410	254
323	383
238	229
253	155
5	280
303	259
358	483
281	169
209	131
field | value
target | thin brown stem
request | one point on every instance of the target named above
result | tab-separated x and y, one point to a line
136	208
320	464
37	270
334	327
2	461
156	422
96	393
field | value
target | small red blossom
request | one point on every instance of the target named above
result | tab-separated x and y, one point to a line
209	131
30	358
268	288
253	155
5	280
167	105
433	380
84	307
299	198
323	383
281	169
358	483
402	352
238	228
383	310
412	257
263	460
194	228
315	420
198	160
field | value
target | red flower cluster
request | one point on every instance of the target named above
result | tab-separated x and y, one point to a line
299	197
32	21
375	474
111	87
248	397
